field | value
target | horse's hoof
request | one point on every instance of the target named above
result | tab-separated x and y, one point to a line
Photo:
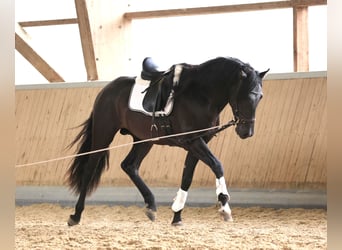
226	216
150	214
177	223
72	222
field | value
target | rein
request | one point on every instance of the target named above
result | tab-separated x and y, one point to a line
207	130
214	131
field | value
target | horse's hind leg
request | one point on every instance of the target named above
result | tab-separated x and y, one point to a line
88	173
86	179
131	166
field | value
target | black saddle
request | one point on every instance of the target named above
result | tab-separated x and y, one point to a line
150	70
160	86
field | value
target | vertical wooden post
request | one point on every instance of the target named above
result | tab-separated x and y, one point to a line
111	36
300	38
86	39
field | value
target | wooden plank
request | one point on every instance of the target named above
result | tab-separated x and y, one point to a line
287	126
220	9
273	93
23	46
86	40
48	22
298	3
299	159
319	156
314	116
300	39
206	10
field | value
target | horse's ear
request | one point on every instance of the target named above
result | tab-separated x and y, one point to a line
262	74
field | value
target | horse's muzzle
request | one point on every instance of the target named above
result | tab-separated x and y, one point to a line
245	130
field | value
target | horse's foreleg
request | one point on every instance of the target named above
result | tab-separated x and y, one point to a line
223	197
180	199
131	166
200	150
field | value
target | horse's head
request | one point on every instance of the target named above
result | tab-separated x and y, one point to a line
245	99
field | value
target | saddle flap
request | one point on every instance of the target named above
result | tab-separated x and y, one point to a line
156	95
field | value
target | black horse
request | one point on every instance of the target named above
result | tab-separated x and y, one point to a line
198	94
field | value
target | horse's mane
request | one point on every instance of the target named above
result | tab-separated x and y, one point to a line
235	67
189	69
220	60
223	60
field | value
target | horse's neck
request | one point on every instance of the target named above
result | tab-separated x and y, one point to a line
217	88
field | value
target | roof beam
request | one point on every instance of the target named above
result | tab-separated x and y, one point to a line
86	40
206	10
302	3
48	22
221	9
23	46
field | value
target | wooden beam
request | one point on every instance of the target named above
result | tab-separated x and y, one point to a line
221	9
86	39
303	3
22	45
300	39
206	10
48	22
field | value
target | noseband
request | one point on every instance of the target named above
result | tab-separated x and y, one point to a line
241	120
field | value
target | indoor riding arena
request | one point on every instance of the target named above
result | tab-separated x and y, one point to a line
277	178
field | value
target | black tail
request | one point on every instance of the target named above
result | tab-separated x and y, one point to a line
77	168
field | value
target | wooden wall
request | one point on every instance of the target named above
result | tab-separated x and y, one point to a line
288	150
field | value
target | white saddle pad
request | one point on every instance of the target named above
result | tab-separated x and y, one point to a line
137	96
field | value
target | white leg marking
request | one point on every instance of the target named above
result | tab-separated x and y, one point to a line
226	212
179	200
221	187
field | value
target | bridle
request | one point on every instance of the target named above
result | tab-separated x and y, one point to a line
238	119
